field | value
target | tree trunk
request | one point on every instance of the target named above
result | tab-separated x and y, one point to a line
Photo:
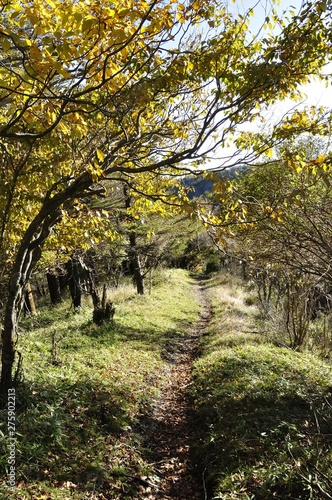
93	290
104	310
74	282
63	280
133	255
135	264
53	287
27	256
9	334
29	302
22	268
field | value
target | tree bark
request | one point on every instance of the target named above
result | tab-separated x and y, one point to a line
29	301
28	254
93	290
135	264
74	282
133	255
63	280
53	287
104	310
25	260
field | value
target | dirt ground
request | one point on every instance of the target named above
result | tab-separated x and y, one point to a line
167	429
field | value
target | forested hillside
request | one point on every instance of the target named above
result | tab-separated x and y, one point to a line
142	189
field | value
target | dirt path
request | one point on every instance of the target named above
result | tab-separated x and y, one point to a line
168	429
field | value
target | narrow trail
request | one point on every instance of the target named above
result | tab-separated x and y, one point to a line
167	429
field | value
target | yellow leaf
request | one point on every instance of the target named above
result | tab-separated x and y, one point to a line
88	22
17	10
32	16
5	44
123	12
190	66
51	4
180	18
61	69
100	155
35	53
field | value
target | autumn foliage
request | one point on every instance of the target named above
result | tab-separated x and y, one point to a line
93	92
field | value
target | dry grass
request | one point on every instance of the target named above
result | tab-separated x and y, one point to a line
235	317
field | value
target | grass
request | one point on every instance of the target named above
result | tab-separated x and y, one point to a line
85	388
264	413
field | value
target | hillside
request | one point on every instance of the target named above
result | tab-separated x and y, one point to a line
199	185
135	363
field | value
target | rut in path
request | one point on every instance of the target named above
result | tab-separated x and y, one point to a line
167	430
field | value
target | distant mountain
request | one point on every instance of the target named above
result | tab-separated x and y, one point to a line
198	185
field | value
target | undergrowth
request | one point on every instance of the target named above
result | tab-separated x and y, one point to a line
263	412
84	390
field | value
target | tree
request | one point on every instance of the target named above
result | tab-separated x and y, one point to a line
280	219
53	286
91	91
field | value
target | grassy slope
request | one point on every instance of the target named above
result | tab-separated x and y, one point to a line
264	412
79	404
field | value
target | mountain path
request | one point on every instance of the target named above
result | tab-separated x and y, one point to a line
167	429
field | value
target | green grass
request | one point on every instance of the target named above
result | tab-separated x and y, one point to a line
83	394
264	413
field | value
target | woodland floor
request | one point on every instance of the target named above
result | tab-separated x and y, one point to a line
168	430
